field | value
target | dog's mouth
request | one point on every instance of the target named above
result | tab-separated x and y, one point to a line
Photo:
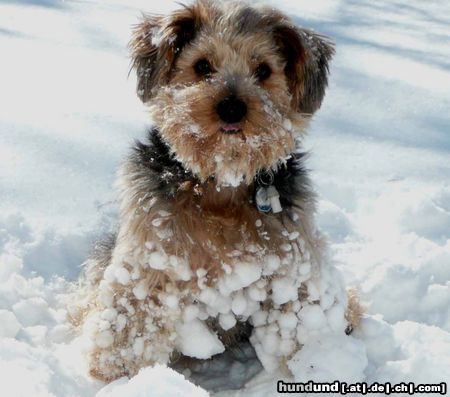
231	129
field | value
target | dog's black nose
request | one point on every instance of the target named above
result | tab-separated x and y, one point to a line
231	109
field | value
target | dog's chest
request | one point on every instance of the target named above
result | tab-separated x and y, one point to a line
213	239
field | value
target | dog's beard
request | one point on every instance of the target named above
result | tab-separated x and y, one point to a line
187	122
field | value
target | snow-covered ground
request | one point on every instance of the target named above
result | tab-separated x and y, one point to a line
380	159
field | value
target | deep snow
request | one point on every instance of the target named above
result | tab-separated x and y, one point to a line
379	158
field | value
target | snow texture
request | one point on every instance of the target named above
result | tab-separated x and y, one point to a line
380	149
159	381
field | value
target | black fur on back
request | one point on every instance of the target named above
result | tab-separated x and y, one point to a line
164	174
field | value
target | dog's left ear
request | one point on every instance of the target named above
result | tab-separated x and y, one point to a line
307	55
155	45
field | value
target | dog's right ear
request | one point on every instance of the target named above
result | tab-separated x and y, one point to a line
156	42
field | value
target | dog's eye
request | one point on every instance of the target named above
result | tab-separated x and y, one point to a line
202	67
263	71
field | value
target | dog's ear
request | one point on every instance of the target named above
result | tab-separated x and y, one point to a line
156	42
307	55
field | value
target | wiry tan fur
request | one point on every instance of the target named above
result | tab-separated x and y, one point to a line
210	230
211	223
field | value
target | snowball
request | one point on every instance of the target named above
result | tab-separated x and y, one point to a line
157	260
312	317
150	245
227	321
164	213
256	294
251	308
9	326
156	36
190	313
141	289
239	304
108	274
196	340
121	322
272	263
208	296
259	318
287	321
122	275
135	274
170	301
286	247
138	346
106	294
157	222
247	273
243	275
313	291
304	268
181	267
294	236
287	124
284	290
109	314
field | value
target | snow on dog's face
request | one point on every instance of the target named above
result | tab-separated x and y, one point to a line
229	86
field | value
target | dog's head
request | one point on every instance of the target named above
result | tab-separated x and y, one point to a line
229	86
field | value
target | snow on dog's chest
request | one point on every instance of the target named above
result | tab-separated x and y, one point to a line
203	263
237	295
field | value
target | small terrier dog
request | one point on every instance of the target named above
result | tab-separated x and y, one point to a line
216	241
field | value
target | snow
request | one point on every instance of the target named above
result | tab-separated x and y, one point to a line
284	290
317	360
379	159
10	326
160	380
196	340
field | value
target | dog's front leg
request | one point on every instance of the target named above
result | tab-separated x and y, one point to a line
274	334
133	322
306	297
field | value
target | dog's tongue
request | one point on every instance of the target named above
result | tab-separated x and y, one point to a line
231	128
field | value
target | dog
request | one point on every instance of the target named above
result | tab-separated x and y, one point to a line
216	240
